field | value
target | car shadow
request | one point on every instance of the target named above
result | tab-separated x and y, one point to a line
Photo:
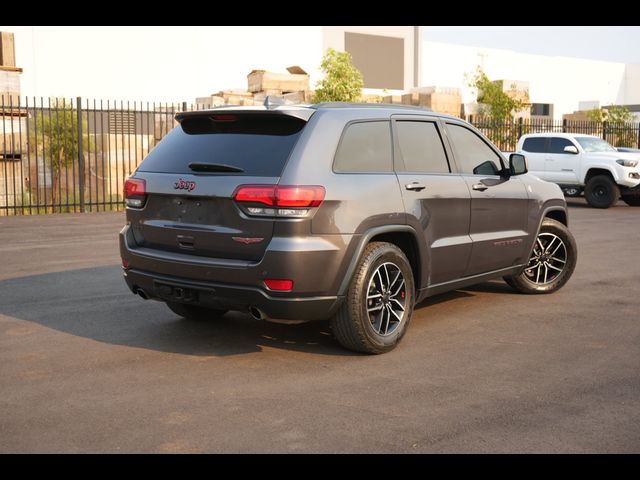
580	202
492	286
95	303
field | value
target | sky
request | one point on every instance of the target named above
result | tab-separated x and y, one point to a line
181	63
614	44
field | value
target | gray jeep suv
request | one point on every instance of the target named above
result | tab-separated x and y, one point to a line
348	212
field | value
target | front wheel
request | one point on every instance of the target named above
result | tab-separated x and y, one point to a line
194	312
379	303
601	191
551	263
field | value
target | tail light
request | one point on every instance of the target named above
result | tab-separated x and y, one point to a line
135	192
279	200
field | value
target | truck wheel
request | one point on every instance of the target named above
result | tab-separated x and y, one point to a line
379	303
551	263
194	312
632	200
601	191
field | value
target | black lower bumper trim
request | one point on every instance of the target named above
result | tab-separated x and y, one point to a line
231	297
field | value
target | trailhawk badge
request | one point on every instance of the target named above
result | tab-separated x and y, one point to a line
184	185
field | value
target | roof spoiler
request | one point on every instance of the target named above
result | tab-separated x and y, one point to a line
270	108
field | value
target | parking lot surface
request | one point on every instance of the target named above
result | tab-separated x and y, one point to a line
86	366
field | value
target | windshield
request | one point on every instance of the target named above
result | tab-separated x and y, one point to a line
593	144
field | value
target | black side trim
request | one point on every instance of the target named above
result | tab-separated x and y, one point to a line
466	281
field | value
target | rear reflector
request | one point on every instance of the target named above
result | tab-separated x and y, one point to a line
279	285
286	196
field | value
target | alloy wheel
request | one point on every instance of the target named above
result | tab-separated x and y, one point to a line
548	259
386	299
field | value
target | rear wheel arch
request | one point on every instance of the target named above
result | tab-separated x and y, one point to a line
403	236
557	214
407	242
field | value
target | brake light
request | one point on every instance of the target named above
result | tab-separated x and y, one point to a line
135	190
285	200
279	285
265	194
226	117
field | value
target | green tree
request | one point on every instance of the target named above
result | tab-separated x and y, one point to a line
617	118
498	107
596	115
493	101
53	133
342	82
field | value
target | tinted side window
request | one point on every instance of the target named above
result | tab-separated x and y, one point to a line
365	147
473	155
557	144
421	147
534	144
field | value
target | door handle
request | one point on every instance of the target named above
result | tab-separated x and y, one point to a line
415	186
480	187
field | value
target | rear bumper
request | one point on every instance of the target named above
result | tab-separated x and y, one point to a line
314	264
230	297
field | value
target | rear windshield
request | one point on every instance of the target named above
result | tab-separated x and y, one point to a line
259	145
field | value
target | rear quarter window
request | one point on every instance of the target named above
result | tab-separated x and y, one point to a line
258	144
365	147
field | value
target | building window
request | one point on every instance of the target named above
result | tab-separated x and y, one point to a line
540	109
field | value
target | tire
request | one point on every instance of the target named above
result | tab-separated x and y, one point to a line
373	287
541	275
194	312
632	200
601	191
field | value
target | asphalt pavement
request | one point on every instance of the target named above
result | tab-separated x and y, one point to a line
86	366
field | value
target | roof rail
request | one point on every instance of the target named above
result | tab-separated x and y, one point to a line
368	105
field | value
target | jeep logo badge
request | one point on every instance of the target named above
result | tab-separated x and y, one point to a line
184	185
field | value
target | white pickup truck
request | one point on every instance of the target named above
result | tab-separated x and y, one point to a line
579	162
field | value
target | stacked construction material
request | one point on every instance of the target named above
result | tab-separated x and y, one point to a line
293	87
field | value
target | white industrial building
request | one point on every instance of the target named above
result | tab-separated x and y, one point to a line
564	82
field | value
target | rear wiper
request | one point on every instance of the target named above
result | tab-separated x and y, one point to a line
214	167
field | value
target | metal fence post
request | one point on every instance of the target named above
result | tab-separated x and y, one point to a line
564	125
80	152
604	130
184	106
519	128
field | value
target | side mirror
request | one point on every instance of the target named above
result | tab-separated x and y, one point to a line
571	149
518	164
